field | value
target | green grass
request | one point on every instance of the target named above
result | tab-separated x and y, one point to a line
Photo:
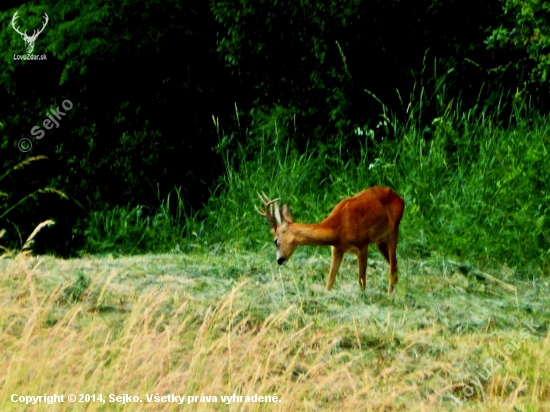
475	189
476	185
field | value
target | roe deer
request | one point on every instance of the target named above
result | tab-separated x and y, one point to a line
371	216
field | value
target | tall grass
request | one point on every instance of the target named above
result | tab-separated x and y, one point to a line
139	229
476	185
7	205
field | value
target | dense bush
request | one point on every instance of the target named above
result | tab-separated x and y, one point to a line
313	100
527	29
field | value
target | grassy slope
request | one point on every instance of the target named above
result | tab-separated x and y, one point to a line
225	322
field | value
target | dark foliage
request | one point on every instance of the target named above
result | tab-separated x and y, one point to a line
146	78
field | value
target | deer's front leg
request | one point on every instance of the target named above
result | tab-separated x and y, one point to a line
334	266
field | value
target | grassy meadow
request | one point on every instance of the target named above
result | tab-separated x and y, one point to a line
222	323
195	305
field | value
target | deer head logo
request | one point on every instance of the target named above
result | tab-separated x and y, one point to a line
29	40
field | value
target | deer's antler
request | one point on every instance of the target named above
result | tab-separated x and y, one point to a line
271	209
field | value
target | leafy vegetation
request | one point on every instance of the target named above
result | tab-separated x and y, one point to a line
140	121
136	114
529	32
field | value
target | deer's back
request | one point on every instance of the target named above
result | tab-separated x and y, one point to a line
369	216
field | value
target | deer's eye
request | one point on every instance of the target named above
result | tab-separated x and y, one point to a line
276	244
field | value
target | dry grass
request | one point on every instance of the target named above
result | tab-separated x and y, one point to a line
231	323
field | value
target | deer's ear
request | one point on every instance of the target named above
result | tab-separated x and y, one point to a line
287	217
277	213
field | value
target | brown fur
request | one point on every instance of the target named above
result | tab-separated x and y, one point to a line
371	216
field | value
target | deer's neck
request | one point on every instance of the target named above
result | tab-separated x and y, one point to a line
313	234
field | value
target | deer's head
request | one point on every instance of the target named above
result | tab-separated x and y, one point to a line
281	222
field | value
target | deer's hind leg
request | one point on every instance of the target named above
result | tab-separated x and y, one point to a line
362	258
392	259
383	248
